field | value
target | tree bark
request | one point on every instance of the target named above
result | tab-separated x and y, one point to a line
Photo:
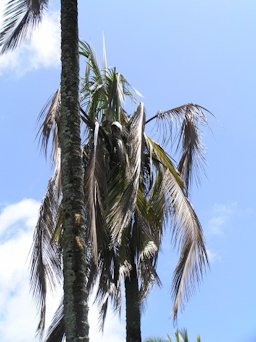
74	246
133	332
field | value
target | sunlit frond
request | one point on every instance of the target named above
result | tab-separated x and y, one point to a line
19	17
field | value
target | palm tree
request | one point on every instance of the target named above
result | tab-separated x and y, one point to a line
132	189
74	229
20	16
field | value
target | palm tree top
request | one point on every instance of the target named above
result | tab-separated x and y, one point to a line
131	182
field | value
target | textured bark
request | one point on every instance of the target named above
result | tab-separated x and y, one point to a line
74	245
133	332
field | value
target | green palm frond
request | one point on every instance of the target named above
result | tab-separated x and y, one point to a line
181	336
92	64
19	17
103	91
161	156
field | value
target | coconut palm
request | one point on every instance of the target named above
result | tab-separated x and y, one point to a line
20	16
132	188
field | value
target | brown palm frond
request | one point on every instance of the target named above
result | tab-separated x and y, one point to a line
109	285
56	331
123	201
148	276
45	266
50	115
91	192
19	17
168	197
187	232
184	122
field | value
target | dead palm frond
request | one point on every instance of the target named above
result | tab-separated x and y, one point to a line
184	123
46	260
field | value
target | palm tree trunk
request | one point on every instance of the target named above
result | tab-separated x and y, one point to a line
133	333
74	248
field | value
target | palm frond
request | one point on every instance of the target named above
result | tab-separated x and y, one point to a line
92	64
124	201
110	266
50	115
45	266
56	331
188	232
161	156
104	91
185	121
105	61
91	192
19	17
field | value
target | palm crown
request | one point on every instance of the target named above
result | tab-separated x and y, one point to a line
132	191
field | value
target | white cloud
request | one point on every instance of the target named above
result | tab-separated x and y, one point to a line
221	215
42	50
18	318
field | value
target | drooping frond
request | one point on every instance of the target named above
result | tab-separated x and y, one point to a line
172	199
188	232
184	122
50	115
45	267
123	201
20	16
56	331
112	267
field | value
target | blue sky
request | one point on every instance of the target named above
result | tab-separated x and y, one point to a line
173	52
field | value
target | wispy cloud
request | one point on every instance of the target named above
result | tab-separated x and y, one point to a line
42	50
220	216
18	317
